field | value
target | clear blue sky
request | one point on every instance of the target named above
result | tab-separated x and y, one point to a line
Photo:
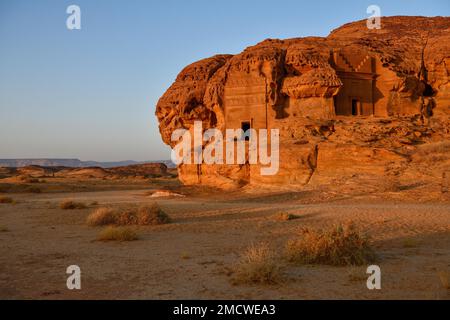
91	93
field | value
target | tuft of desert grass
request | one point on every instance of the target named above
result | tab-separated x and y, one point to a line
444	276
152	215
433	152
112	233
435	147
256	265
284	216
70	205
126	217
4	199
144	216
340	245
3	229
101	217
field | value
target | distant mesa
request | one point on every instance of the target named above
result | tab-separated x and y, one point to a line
73	163
24	170
135	171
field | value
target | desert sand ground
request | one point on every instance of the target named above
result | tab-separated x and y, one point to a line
190	258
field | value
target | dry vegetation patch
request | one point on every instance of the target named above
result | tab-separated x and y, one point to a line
125	217
101	217
433	152
256	265
144	216
152	215
71	205
284	216
112	233
339	246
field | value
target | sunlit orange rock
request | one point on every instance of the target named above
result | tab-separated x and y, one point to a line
352	105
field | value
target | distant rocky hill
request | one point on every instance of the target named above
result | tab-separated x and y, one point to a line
30	173
74	163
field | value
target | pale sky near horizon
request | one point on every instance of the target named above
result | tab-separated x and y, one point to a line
91	93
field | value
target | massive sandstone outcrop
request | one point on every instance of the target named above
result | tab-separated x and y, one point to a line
358	104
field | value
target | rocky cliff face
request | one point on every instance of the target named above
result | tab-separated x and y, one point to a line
358	104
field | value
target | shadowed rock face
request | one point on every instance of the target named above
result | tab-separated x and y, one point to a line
360	97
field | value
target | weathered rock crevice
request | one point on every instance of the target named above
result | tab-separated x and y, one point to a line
312	162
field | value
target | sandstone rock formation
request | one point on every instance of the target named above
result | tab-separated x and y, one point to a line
358	104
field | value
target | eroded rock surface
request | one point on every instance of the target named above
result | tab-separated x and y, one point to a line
359	104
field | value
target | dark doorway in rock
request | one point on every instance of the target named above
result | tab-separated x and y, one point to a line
428	92
355	107
245	125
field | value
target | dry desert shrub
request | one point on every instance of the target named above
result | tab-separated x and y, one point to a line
257	265
144	216
112	233
152	215
70	205
101	217
436	147
433	152
284	216
4	199
339	246
126	217
3	229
